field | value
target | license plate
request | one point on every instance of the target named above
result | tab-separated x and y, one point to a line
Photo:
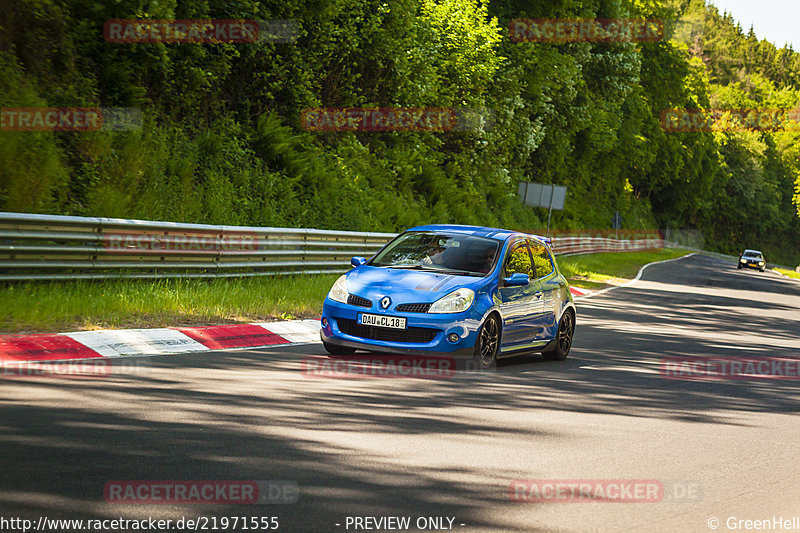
383	321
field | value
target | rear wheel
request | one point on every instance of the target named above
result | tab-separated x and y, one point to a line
335	349
487	344
566	329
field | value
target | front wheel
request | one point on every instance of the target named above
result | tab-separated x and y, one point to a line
566	329
487	344
335	349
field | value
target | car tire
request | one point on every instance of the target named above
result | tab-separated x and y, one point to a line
487	344
761	269
335	349
563	340
739	267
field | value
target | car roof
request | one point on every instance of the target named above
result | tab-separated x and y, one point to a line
478	231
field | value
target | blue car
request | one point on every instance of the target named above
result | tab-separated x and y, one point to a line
463	291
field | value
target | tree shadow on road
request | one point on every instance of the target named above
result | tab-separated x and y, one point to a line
254	415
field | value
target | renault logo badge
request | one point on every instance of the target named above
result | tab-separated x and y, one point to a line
385	302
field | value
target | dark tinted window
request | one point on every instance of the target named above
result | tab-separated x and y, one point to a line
518	261
542	261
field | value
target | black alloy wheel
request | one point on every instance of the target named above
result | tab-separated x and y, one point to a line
488	343
566	329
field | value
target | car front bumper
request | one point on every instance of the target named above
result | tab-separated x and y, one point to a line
465	325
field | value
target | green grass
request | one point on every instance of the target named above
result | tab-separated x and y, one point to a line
84	305
598	271
790	273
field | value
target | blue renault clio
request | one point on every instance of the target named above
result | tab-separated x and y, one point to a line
464	291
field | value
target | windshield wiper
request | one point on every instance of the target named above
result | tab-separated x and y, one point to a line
411	267
458	272
426	268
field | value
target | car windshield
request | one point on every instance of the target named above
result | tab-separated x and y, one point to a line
753	254
435	251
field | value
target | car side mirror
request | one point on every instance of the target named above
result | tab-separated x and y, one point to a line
517	279
357	261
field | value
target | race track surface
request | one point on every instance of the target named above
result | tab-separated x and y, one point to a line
376	447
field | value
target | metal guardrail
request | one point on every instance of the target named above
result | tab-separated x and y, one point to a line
53	247
36	247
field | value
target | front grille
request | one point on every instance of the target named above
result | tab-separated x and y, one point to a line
352	299
413	308
410	334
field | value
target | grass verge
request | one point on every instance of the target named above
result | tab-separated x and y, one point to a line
790	273
35	307
112	304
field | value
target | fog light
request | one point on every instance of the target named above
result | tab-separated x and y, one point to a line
452	337
324	322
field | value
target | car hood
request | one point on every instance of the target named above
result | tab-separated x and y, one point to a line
751	258
405	286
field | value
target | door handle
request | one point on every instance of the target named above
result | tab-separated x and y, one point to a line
538	294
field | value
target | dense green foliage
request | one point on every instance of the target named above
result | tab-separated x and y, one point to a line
222	141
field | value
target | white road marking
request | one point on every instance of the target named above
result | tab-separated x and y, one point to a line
114	343
634	369
295	331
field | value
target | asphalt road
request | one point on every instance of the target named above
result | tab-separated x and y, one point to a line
445	447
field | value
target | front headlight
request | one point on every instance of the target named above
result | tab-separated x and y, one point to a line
339	292
455	302
761	263
744	260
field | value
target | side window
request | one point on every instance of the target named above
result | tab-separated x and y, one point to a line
518	260
542	261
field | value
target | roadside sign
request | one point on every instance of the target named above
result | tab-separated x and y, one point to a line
542	195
